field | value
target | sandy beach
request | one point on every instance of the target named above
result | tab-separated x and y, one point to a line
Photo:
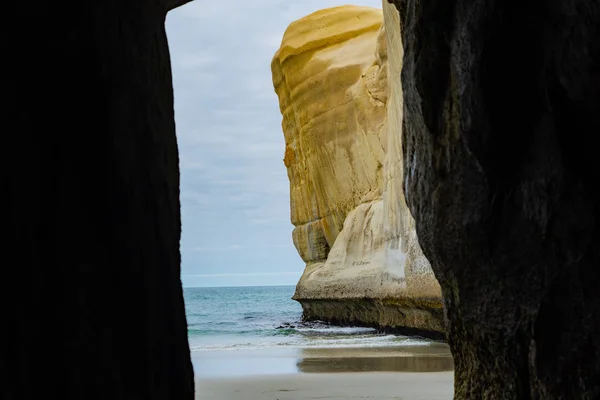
407	373
330	386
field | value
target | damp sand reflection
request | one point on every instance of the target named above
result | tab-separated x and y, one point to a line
432	358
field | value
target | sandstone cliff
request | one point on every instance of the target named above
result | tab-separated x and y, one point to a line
342	125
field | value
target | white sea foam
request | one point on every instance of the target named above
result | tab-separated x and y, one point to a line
370	341
337	330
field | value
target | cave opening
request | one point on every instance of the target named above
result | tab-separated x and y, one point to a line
92	210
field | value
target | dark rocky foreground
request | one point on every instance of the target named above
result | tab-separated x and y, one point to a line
91	303
501	116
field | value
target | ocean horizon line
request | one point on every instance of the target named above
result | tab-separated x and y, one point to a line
235	286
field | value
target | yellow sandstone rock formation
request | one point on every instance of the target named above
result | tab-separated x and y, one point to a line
342	126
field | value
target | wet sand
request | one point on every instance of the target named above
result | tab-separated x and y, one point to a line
415	372
435	357
413	359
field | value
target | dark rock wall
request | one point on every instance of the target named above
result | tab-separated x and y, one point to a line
501	117
91	304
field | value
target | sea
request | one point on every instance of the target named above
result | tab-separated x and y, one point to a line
247	318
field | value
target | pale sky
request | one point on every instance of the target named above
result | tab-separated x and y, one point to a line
236	227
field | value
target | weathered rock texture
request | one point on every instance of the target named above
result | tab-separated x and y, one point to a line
343	156
91	300
502	110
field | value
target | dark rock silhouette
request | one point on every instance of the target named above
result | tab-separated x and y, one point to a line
91	301
501	113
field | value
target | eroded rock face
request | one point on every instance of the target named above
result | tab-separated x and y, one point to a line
91	299
343	155
332	120
502	107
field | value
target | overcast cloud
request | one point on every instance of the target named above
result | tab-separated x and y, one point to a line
234	186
